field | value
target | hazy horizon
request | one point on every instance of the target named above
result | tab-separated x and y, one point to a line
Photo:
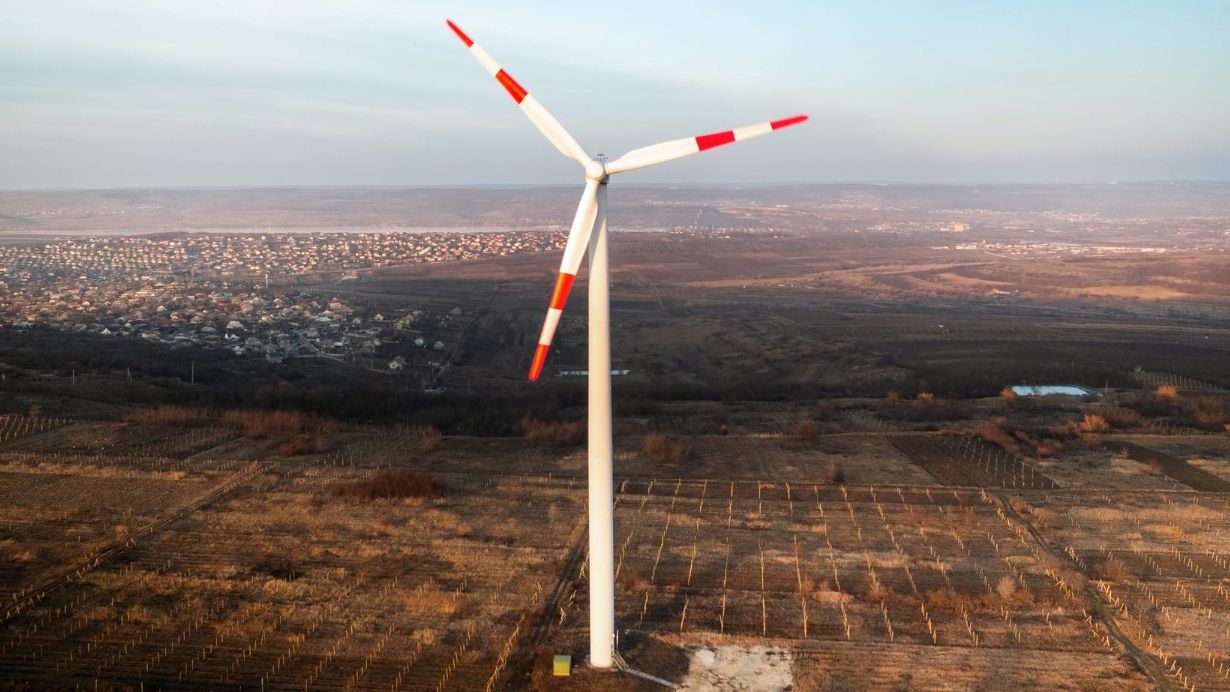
724	185
138	94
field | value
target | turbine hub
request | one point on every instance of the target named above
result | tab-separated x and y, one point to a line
595	170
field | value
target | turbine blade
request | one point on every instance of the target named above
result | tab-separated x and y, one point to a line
678	148
574	252
543	120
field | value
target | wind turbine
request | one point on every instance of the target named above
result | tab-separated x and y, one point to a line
589	232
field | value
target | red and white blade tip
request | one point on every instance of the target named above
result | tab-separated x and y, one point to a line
540	357
559	296
717	139
460	34
787	122
506	80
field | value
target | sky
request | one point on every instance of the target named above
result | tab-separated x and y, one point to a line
163	93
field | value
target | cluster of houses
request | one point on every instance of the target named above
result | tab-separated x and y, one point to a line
1043	248
230	255
123	287
246	321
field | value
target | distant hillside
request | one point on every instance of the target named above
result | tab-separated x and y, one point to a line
42	212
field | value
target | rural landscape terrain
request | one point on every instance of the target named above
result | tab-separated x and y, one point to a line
282	439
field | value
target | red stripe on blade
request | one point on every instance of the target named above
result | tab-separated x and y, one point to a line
460	34
515	90
716	139
540	357
562	286
787	122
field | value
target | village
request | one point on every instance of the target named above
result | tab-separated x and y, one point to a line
213	291
257	255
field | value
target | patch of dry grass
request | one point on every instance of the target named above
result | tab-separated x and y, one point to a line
544	433
390	485
261	424
661	449
178	416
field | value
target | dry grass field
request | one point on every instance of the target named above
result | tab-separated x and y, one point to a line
202	559
209	573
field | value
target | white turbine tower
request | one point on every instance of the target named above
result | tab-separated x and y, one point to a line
589	232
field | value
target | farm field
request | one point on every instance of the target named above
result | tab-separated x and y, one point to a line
199	557
236	574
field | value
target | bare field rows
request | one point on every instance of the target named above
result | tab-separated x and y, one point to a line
866	665
969	461
228	569
279	585
917	573
1159	560
53	515
13	428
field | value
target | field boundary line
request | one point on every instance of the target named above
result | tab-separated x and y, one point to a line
1144	661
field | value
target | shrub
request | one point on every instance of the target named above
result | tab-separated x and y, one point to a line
429	437
543	433
1007	395
304	443
1150	405
806	429
1112	568
1042	442
1047	447
1167	391
1123	418
995	434
278	568
389	485
950	600
1093	423
837	474
1006	587
661	449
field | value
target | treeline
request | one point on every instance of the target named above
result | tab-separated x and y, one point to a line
225	382
65	353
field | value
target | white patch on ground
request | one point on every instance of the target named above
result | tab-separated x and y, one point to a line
711	669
